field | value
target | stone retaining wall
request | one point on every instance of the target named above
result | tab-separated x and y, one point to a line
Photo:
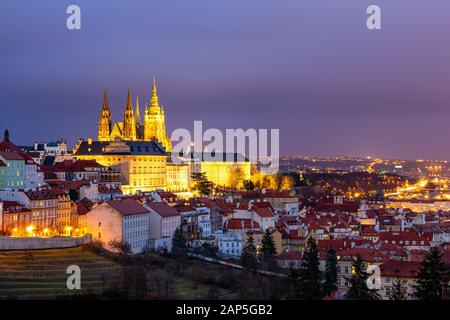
11	243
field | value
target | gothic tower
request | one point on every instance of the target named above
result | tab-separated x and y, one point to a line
138	113
104	124
129	121
154	122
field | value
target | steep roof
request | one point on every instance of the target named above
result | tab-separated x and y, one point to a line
127	207
403	269
163	209
263	212
241	224
8	146
41	195
10	155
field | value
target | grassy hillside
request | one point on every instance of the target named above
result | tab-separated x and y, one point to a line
41	274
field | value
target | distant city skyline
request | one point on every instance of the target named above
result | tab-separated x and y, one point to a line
309	68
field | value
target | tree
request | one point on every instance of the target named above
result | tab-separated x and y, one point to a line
201	184
287	183
331	274
123	248
358	282
268	251
179	242
310	275
236	176
294	283
432	283
248	185
397	292
248	257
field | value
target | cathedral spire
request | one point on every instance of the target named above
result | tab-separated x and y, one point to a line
138	112
154	100
104	124
105	106
129	121
129	102
6	135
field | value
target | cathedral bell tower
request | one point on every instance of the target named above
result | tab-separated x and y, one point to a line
104	124
154	122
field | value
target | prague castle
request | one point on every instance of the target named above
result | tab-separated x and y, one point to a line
142	152
131	128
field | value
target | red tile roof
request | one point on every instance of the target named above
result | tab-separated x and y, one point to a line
290	255
183	208
41	195
84	206
7	146
264	212
367	254
105	189
241	224
402	269
11	155
14	206
163	209
127	207
402	236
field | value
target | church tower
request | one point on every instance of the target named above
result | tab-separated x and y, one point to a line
154	122
129	121
104	124
138	113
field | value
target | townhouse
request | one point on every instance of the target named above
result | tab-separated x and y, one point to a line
125	221
164	220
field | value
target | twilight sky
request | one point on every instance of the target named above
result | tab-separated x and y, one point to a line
308	67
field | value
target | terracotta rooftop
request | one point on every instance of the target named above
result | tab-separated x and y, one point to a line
263	212
403	269
127	207
163	209
11	155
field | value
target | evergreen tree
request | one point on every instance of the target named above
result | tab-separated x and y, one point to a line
268	251
358	282
331	275
178	242
310	275
201	183
248	257
294	283
432	283
397	292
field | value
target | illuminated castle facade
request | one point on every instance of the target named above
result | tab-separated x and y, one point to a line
142	152
132	128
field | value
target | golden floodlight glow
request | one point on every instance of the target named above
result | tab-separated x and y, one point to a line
29	229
